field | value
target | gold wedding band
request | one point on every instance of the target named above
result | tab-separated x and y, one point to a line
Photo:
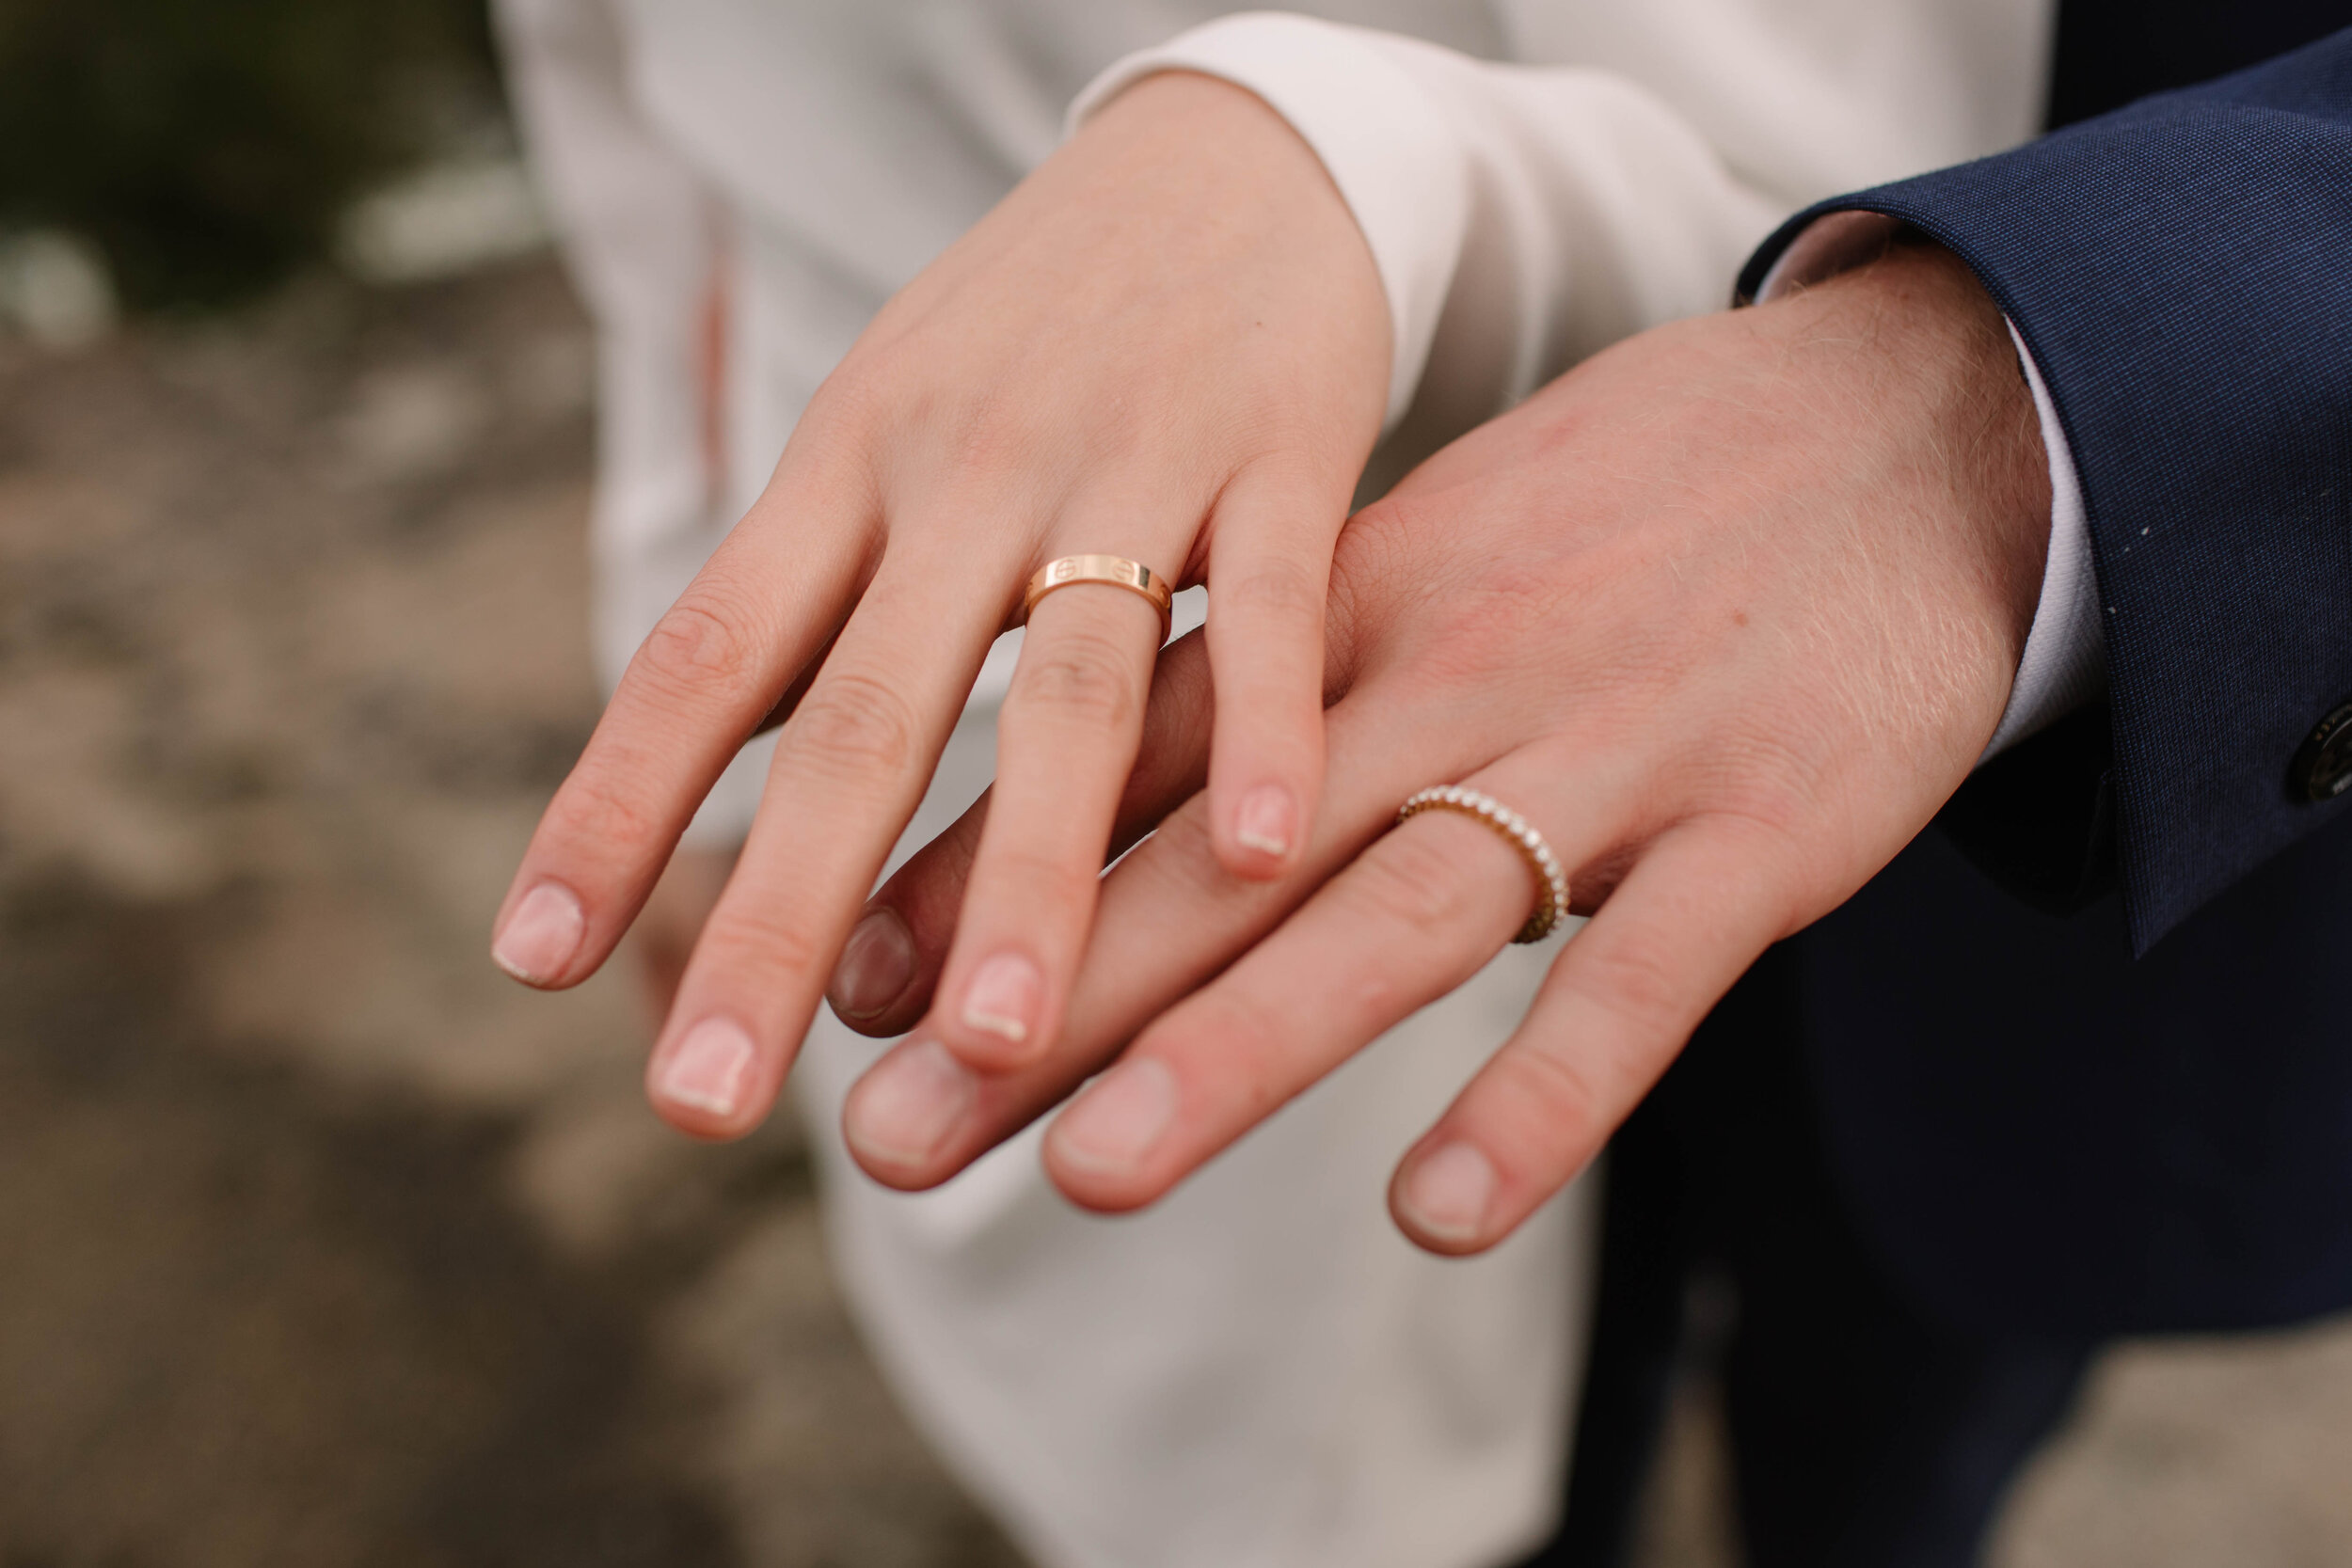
1551	883
1116	570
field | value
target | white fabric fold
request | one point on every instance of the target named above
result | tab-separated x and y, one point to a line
1520	219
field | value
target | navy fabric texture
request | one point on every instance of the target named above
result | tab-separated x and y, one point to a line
2112	53
2042	1134
1944	1142
2182	271
2133	1112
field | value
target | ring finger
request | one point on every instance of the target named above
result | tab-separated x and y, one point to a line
1699	907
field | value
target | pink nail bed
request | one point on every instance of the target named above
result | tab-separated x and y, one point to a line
1118	1122
541	936
1447	1192
876	963
903	1110
1264	823
1002	998
707	1069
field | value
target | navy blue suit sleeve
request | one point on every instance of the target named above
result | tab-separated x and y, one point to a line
2181	270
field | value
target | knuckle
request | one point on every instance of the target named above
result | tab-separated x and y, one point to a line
1180	860
600	809
1039	882
857	395
1764	799
1287	593
1239	1044
1409	882
697	646
1186	840
750	940
1551	1097
1078	676
1637	980
968	427
988	446
855	724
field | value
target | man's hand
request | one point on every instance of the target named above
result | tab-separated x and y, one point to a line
1727	613
1170	344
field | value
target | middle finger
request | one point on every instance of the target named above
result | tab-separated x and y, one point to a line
851	766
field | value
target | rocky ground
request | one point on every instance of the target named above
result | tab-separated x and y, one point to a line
322	1243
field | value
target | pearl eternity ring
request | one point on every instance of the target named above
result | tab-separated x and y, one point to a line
1551	883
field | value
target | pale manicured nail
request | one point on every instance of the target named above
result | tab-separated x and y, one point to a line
1266	820
876	963
1003	997
542	935
903	1110
705	1070
1447	1194
1116	1122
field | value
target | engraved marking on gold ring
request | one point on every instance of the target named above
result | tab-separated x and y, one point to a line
1116	570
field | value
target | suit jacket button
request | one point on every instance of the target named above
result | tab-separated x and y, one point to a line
2323	768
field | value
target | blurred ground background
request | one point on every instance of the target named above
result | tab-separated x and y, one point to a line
319	1241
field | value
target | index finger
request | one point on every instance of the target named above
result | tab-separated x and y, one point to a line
711	670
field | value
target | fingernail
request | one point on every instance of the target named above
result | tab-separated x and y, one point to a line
1115	1123
541	936
903	1110
705	1072
876	963
1446	1196
1003	996
1264	823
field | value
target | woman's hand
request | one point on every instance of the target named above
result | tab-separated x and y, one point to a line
1727	613
1168	344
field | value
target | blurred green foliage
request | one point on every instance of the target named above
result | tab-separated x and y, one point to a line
209	147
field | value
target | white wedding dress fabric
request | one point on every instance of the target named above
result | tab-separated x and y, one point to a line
1258	1372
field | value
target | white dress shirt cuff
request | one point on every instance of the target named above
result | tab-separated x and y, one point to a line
1401	170
2064	664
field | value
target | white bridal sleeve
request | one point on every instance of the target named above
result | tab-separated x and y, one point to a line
1538	213
640	236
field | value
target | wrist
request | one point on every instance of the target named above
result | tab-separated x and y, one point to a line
1201	187
1393	150
1929	374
